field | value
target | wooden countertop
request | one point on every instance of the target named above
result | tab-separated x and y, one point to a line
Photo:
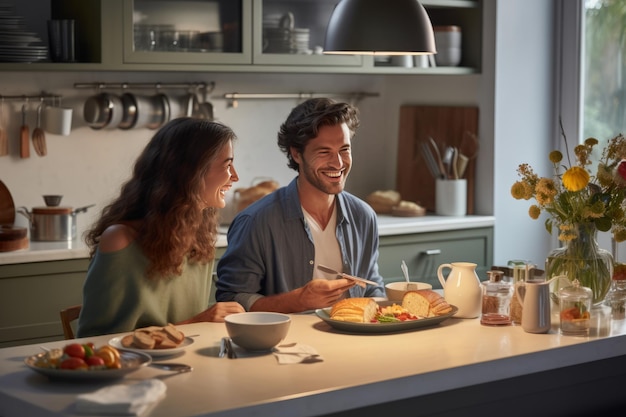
388	225
358	370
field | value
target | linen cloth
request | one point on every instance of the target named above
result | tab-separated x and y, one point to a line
122	399
296	353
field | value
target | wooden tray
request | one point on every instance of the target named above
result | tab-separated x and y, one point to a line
446	125
15	244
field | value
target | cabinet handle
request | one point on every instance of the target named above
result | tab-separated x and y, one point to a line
432	252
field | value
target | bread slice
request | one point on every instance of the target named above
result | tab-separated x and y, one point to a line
174	334
425	303
143	340
127	341
357	310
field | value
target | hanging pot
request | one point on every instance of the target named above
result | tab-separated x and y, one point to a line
52	223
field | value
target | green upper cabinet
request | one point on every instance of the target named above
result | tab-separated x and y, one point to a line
207	32
229	36
292	32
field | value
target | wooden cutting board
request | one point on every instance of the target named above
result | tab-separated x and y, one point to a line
447	125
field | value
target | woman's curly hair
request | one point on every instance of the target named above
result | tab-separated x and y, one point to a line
304	121
165	194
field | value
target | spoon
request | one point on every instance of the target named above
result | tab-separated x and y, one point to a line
405	271
176	367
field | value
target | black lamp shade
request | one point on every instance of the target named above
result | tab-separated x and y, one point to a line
379	27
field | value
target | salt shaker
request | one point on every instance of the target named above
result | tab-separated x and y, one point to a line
497	295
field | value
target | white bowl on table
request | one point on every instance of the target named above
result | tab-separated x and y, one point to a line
257	331
396	290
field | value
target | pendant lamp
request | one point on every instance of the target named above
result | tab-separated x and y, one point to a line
379	27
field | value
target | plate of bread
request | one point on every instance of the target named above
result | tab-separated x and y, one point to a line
418	309
153	340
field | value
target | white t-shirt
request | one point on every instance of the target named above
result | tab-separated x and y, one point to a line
327	251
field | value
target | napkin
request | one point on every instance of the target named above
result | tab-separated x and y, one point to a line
296	353
122	400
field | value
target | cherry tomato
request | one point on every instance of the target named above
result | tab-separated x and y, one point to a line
95	361
75	350
73	363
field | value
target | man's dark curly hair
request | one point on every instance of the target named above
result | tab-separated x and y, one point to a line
304	121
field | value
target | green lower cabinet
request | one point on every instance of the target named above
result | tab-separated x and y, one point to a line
31	296
424	252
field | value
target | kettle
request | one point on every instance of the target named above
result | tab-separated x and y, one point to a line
462	288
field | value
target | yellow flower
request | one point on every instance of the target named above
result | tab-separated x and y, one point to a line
556	157
534	212
574	195
575	178
545	191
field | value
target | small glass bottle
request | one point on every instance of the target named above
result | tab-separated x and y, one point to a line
520	273
616	298
575	309
497	294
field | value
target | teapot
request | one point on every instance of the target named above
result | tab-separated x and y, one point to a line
462	288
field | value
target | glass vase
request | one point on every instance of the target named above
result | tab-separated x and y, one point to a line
582	259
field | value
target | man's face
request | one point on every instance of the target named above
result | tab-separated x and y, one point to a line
326	160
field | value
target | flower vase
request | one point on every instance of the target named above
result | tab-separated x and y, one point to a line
582	259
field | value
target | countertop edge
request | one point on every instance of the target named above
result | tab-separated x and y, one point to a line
387	226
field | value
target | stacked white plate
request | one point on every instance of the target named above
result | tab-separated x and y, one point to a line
17	44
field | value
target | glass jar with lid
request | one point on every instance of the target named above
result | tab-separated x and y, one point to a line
616	298
575	309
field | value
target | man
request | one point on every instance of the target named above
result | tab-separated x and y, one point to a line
275	245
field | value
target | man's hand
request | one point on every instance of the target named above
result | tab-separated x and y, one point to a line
320	293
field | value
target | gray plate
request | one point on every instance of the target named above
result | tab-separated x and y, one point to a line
131	361
324	314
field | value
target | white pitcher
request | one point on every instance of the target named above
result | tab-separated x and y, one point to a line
462	288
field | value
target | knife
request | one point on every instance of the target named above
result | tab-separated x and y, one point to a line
342	275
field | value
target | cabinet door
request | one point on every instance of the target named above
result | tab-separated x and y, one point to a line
292	32
187	32
424	252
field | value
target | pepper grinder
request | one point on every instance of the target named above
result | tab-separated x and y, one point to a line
497	295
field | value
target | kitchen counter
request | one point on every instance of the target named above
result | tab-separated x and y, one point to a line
457	368
387	225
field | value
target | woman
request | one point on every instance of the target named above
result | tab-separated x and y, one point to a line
152	249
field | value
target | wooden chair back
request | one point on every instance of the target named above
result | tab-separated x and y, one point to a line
68	315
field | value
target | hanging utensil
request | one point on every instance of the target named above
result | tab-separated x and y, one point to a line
24	136
4	140
39	136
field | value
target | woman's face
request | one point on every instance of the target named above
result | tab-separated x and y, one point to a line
220	177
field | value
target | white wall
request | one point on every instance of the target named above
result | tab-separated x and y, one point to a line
523	121
88	166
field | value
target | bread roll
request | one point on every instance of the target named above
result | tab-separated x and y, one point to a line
247	196
357	310
383	201
425	303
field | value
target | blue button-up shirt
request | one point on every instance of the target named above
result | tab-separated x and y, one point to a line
271	251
